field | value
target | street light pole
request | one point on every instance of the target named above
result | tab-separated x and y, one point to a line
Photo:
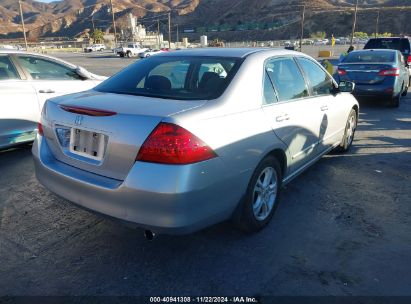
302	28
376	24
114	23
354	22
22	24
169	30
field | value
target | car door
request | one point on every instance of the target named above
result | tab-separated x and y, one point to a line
19	105
329	103
294	116
51	78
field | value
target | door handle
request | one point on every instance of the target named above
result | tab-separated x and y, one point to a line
48	91
324	108
282	118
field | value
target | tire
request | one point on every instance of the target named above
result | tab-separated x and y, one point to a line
404	93
128	54
395	102
349	132
121	55
251	215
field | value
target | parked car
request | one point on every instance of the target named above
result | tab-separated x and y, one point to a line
95	48
149	53
26	81
187	139
380	74
392	43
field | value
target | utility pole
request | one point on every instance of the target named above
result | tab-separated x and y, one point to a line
354	22
302	28
169	30
178	40
114	23
92	21
158	33
22	24
376	24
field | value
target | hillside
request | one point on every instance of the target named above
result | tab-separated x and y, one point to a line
239	20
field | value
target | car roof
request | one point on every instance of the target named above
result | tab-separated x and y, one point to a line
225	52
388	38
376	50
9	51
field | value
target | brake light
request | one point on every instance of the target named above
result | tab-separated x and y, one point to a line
409	59
389	72
342	72
87	111
172	144
40	129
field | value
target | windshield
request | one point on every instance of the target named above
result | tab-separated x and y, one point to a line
186	78
371	56
402	45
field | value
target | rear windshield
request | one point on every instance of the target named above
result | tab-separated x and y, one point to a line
187	78
402	45
372	56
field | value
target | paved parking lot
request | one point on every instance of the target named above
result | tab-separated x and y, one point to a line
343	228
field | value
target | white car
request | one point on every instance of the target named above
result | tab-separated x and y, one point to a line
95	48
26	81
150	53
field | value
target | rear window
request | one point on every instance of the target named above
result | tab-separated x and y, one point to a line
372	56
402	45
186	78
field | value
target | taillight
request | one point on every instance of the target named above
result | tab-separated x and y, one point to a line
342	72
389	72
172	144
40	129
409	59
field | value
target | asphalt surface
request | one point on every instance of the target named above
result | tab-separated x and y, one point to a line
342	228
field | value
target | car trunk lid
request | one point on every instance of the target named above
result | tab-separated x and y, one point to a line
102	132
363	73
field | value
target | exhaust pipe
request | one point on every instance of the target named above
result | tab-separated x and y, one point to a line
149	235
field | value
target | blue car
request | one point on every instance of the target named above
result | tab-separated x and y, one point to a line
381	74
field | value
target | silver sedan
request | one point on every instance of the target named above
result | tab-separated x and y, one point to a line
186	139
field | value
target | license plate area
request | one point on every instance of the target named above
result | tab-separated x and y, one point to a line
88	144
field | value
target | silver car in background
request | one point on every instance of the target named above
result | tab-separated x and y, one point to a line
186	139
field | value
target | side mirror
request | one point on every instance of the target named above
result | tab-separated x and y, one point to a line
83	73
346	86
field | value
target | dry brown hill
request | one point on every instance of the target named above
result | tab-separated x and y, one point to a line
228	19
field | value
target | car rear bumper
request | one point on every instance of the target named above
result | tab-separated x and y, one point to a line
165	199
380	91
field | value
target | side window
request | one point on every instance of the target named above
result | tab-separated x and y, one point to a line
320	81
7	69
287	78
43	69
269	93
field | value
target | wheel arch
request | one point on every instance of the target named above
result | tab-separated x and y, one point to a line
280	155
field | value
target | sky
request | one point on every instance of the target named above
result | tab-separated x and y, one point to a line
47	1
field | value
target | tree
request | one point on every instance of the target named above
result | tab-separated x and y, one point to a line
361	35
97	36
319	35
